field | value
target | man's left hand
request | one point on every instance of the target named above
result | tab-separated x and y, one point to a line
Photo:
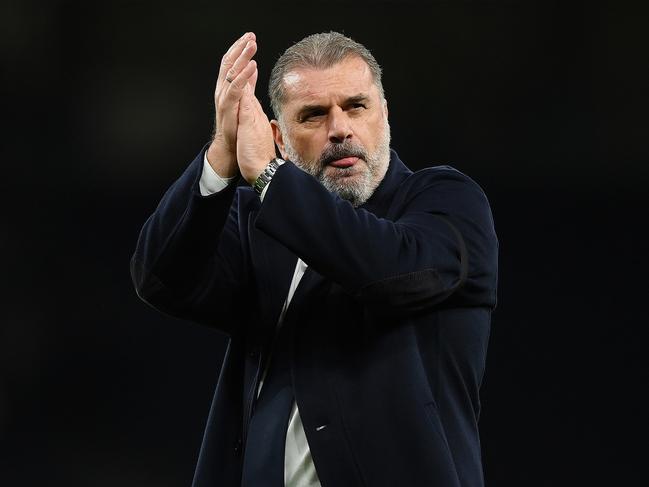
255	144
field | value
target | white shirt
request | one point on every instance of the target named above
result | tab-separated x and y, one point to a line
299	469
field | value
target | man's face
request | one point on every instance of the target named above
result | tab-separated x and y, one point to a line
335	127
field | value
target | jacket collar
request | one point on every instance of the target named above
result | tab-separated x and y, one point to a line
280	262
397	172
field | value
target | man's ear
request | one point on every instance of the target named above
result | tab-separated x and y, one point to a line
385	107
279	139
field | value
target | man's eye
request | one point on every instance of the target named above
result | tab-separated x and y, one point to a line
357	106
312	116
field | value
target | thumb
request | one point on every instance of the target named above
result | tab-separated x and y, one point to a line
246	103
253	80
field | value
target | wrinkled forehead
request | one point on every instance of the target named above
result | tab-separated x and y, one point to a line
308	85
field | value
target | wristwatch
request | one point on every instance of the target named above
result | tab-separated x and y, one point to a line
267	174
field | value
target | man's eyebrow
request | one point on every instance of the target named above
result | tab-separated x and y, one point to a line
360	98
308	109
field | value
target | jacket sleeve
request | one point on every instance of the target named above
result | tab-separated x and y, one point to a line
189	261
440	241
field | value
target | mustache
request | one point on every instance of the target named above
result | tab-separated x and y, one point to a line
333	152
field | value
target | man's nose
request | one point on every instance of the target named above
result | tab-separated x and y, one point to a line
339	126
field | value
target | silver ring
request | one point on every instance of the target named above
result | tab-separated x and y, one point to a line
228	79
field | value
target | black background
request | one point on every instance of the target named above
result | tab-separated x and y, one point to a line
543	103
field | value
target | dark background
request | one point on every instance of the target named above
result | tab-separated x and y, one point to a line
543	103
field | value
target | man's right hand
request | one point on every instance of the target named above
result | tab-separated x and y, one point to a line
237	69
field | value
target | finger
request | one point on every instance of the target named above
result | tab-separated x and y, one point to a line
246	104
250	109
235	49
229	102
253	80
233	53
258	104
242	61
236	88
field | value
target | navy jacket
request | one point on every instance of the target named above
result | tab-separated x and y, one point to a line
391	320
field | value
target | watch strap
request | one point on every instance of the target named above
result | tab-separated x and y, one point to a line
267	174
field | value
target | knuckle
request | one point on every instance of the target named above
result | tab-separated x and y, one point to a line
230	91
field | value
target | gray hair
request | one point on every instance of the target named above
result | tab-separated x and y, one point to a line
319	51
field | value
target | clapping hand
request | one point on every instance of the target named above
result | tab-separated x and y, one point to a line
238	71
255	144
243	138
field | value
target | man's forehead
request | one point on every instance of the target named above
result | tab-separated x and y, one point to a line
347	78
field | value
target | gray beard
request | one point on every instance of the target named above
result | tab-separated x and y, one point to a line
357	189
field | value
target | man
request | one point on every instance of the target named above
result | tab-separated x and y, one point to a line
356	294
